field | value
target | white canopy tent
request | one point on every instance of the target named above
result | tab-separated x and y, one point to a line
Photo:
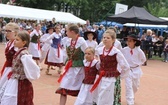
37	14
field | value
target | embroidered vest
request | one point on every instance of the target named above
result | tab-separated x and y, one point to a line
90	74
56	42
35	38
76	55
17	67
109	66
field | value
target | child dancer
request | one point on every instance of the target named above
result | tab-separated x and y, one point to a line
11	30
91	67
34	47
55	53
71	79
110	60
46	45
90	39
135	57
19	89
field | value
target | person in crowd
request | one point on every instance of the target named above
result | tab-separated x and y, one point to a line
155	39
165	51
90	37
55	53
124	33
71	80
1	29
135	58
34	47
18	89
111	59
148	44
100	34
91	66
160	46
10	32
88	26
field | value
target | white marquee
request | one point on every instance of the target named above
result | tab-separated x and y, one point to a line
37	14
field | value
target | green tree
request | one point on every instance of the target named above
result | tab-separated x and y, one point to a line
158	9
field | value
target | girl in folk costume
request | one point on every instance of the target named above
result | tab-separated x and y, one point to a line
91	67
135	57
18	88
46	44
11	30
71	79
55	54
112	65
34	47
90	39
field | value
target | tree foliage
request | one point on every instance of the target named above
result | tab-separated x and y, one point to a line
96	10
158	9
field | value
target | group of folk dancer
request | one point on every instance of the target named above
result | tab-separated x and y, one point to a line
92	72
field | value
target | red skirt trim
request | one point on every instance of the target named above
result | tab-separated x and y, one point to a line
51	63
63	91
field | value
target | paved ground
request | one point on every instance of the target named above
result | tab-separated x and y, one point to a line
153	88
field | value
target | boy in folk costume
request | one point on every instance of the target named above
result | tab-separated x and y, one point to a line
71	79
55	54
91	66
90	38
18	89
34	47
112	66
135	58
11	29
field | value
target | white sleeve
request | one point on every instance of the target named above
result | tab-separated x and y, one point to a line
142	57
43	38
84	45
32	33
124	67
49	38
31	69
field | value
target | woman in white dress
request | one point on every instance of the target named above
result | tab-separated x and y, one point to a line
111	59
46	44
91	67
34	46
18	89
71	80
55	54
11	30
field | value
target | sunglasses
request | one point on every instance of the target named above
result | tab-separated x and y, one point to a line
8	31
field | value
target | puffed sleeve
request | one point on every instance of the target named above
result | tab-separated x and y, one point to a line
31	69
49	38
123	65
142	57
84	44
